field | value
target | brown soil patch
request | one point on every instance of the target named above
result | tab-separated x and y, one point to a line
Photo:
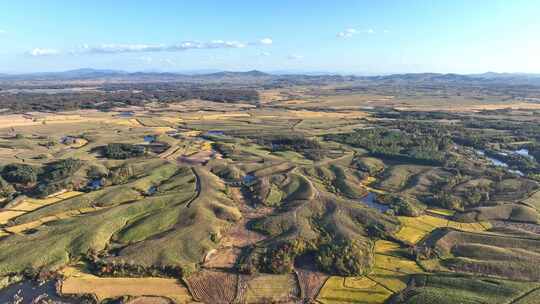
223	259
104	288
310	279
150	300
237	237
213	286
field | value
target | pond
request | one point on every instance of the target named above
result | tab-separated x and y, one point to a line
95	184
31	292
498	162
249	179
524	152
149	138
370	201
126	114
215	132
151	191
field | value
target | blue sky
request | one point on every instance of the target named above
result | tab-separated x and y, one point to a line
362	37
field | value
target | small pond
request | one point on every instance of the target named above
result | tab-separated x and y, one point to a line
524	152
126	114
370	201
95	184
152	190
149	138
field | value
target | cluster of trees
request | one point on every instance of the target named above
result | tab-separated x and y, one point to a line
39	181
123	151
6	189
280	257
310	148
345	258
124	95
277	257
416	115
103	267
20	173
57	176
401	205
419	144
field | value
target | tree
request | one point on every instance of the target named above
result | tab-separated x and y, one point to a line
20	173
346	258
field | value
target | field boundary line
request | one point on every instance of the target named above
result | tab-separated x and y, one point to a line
197	187
383	285
524	295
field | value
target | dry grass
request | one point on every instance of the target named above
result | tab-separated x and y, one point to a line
279	288
415	228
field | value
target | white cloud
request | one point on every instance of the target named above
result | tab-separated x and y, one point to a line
2	31
348	33
115	48
43	52
266	41
146	59
144	48
295	57
265	54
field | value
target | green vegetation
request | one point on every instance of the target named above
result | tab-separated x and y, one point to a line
422	145
20	173
345	258
447	289
122	151
316	193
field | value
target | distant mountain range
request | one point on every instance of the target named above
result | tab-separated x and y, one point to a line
258	76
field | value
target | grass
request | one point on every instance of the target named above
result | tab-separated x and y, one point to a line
440	211
396	177
294	157
334	291
534	200
449	289
501	252
416	228
274	197
188	240
510	212
297	188
185	232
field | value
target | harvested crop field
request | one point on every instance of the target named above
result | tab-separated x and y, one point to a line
150	300
213	286
266	287
106	288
